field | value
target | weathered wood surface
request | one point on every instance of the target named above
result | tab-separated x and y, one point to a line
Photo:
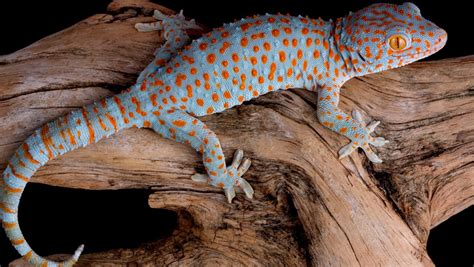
309	208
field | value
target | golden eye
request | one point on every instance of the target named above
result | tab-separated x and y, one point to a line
397	42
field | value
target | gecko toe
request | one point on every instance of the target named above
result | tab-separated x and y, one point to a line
246	187
201	178
347	150
229	193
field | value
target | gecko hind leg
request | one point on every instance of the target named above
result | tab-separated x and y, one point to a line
184	128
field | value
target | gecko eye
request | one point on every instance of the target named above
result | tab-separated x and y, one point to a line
397	42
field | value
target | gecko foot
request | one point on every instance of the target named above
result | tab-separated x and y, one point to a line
233	177
375	141
177	19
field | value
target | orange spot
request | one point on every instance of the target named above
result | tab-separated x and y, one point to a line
210	110
109	117
285	42
343	130
227	94
326	64
261	79
241	98
253	60
47	140
235	57
27	154
275	32
189	88
225	74
244	42
245	26
304	31
293	62
200	102
215	97
267	46
153	98
211	58
18	242
254	72
255	49
316	54
299	54
203	46
89	127
179	123
282	55
173	99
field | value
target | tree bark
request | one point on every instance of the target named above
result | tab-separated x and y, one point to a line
309	208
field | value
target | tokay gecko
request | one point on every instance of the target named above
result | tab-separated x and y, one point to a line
222	69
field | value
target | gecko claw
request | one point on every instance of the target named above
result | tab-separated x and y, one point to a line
229	193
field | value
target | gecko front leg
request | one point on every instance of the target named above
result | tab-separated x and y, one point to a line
352	127
174	31
184	128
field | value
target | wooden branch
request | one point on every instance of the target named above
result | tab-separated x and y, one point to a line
309	208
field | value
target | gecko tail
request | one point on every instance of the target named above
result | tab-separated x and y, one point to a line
76	129
37	260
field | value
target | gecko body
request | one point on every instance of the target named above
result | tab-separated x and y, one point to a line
222	69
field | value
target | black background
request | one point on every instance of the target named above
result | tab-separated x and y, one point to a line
51	218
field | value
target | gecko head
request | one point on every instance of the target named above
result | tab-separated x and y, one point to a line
386	36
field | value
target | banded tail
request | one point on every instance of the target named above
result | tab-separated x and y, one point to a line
79	128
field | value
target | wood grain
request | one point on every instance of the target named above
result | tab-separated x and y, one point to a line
309	208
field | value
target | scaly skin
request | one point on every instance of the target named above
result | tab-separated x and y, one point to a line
224	68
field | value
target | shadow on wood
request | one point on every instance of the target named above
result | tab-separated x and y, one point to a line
309	207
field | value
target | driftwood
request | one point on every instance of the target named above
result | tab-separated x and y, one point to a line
309	207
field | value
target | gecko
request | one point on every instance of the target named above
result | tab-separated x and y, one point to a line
223	68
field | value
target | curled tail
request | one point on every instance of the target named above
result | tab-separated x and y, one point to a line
78	128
